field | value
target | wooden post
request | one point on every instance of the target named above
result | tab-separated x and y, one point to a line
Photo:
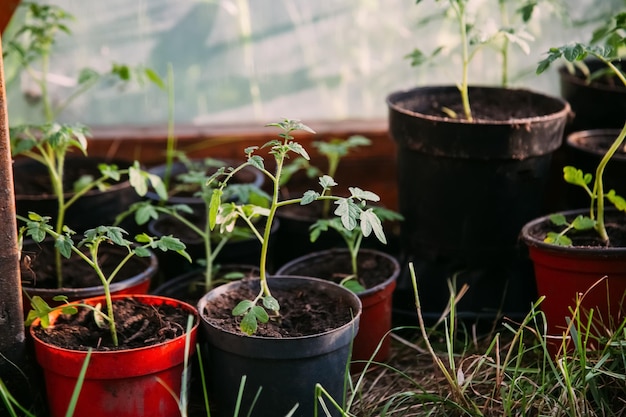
7	8
12	342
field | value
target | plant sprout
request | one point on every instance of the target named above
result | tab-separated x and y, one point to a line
351	210
37	228
473	38
353	239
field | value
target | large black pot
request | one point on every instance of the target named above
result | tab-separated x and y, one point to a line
596	105
95	208
287	368
466	189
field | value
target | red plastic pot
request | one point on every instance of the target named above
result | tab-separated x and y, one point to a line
123	383
565	273
376	301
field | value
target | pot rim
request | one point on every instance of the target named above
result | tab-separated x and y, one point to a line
573	140
532	241
394	97
355	302
162	300
114	187
284	270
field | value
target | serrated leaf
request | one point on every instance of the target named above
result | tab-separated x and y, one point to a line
618	201
326	181
583	223
370	222
356	192
257	162
142	252
573	175
64	244
348	212
309	197
271	303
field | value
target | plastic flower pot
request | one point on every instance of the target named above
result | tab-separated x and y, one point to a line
121	383
287	368
597	275
377	300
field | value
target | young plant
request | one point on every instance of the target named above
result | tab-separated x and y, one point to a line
351	210
607	54
37	228
353	239
473	37
49	144
197	179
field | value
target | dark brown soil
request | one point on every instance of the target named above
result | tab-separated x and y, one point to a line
487	105
302	312
589	238
38	267
137	325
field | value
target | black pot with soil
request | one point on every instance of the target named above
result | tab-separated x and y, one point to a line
33	192
466	189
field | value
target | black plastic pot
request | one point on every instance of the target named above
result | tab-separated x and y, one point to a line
95	208
287	369
584	150
466	189
595	105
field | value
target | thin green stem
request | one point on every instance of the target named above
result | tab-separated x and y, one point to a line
171	138
459	9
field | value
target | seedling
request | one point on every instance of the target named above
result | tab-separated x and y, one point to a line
353	239
213	242
351	210
572	53
49	144
37	228
474	35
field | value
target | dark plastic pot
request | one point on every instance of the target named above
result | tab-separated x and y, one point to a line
93	209
376	300
563	273
123	383
595	105
287	369
584	150
136	284
466	189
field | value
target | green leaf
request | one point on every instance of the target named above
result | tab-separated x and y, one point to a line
575	176
583	223
557	239
248	324
309	197
299	149
618	201
154	78
260	314
360	194
242	308
214	207
271	303
558	219
348	212
142	252
137	180
370	222
257	162
353	285
327	181
64	244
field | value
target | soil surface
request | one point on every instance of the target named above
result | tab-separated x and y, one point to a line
302	313
37	267
486	104
137	325
589	238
